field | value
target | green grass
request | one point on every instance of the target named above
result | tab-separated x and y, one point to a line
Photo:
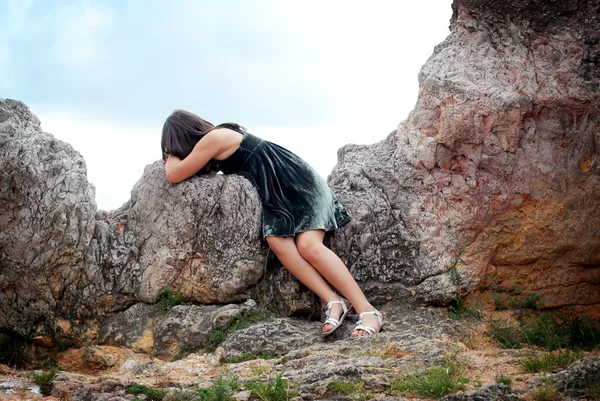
435	382
151	394
546	392
501	379
222	388
63	343
45	380
166	300
353	389
242	320
458	309
549	361
275	389
505	300
554	331
506	334
251	357
499	301
548	330
592	388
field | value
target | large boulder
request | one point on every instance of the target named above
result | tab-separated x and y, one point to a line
493	181
63	264
47	212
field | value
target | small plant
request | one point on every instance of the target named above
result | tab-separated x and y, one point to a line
275	389
554	331
533	301
457	309
592	388
151	394
63	343
548	361
242	320
477	383
499	301
222	388
45	380
546	392
250	357
436	382
390	351
506	334
355	389
501	379
166	300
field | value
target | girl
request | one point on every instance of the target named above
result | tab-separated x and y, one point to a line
298	207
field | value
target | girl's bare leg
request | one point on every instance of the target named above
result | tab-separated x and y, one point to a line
287	253
311	248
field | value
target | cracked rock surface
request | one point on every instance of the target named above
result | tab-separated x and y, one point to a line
494	178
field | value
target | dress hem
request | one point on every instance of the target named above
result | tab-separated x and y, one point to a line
343	223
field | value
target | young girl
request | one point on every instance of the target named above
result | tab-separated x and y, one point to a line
297	207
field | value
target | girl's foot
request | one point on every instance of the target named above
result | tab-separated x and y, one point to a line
368	324
335	315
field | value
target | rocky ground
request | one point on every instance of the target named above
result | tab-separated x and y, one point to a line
415	340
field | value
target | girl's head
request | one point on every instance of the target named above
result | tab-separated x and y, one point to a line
181	132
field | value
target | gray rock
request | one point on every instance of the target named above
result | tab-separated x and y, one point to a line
187	327
493	392
492	180
275	337
183	328
577	379
47	212
181	394
64	264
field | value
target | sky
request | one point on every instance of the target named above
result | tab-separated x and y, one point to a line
309	75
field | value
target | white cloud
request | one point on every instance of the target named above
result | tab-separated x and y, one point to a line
79	42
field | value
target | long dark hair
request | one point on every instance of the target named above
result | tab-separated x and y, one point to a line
182	131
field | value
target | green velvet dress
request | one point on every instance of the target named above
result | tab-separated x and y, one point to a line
294	197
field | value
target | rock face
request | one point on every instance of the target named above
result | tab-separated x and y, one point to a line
493	181
47	212
63	264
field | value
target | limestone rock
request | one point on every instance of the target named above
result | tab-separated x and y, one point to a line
64	266
578	379
275	337
494	178
181	329
47	212
493	392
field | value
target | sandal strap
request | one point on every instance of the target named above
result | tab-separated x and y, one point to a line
368	329
331	320
373	312
341	301
331	303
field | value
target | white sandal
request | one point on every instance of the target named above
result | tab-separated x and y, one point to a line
335	322
372	331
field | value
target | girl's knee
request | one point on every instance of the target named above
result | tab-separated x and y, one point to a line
309	250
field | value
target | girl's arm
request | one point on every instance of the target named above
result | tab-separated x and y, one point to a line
178	170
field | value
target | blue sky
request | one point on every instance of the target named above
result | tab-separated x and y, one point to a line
310	75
